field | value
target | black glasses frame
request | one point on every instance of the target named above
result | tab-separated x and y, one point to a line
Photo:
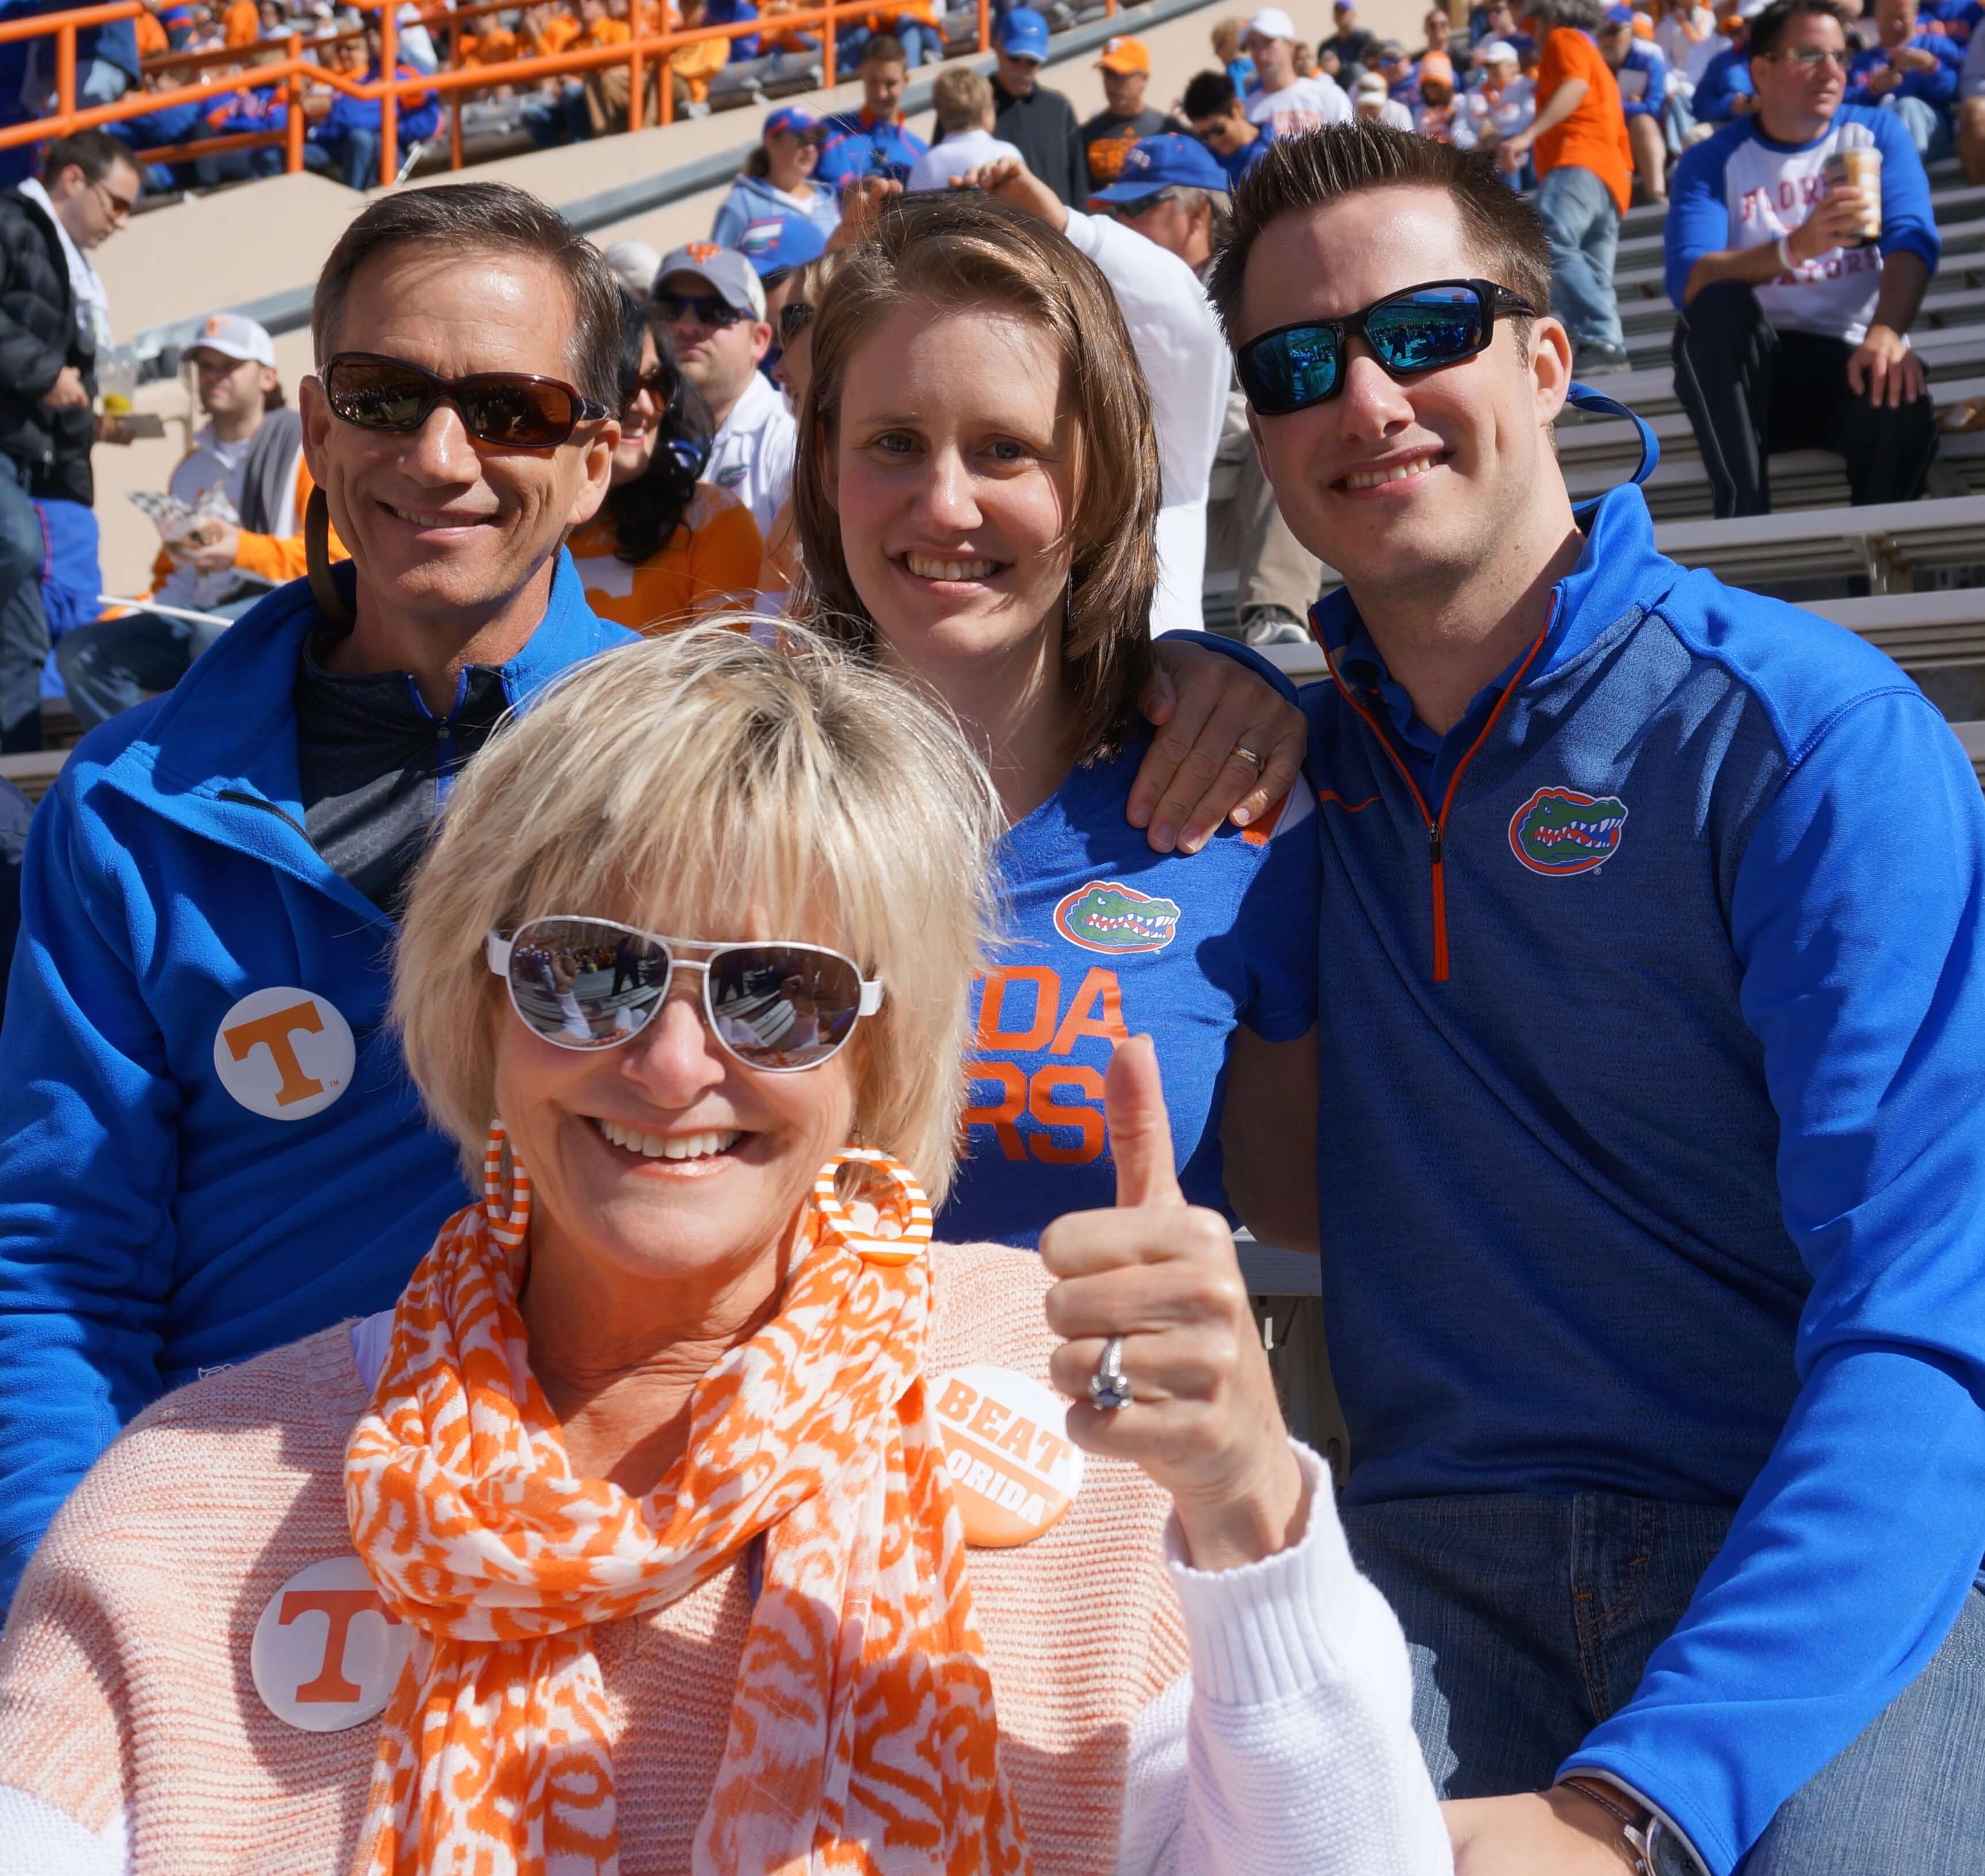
450	391
1492	299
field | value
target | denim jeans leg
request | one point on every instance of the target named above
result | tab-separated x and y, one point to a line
1602	248
104	83
110	664
1906	1795
361	159
1569	200
24	626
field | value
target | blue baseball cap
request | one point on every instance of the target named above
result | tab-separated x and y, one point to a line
779	243
801	123
1169	161
1024	35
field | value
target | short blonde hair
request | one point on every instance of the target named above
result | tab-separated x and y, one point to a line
707	779
961	98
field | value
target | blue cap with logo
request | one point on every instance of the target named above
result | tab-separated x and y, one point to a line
801	123
1023	34
1169	162
780	243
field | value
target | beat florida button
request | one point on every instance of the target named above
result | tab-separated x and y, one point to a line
1014	1470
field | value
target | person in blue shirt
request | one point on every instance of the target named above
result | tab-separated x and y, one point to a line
1213	107
873	140
778	185
985	522
731	13
106	67
345	143
1725	91
1913	73
1642	74
209	1144
1647	1144
1793	332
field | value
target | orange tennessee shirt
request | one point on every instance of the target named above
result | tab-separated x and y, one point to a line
242	24
1594	137
711	565
560	30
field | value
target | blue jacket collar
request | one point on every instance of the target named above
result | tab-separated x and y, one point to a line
219	751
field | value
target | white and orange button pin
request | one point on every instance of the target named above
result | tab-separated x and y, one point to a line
1014	1471
326	1651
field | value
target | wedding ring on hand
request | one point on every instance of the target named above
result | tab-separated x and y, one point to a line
1109	1387
1248	755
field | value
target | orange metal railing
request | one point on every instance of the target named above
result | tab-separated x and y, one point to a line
293	72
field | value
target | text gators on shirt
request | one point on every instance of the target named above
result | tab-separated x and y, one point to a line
1022	1011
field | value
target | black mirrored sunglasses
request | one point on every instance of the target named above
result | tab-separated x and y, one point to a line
593	983
511	410
1417	329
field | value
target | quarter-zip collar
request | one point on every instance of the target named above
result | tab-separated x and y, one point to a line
218	755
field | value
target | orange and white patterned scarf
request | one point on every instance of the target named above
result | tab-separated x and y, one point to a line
865	1742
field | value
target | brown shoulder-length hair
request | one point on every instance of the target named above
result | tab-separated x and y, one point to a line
954	251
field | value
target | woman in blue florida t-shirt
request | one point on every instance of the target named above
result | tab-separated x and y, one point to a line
978	504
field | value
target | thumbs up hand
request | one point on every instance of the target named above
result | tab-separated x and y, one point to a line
1163	1275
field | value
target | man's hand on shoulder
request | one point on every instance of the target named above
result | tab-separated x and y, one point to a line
1882	369
1554	1833
1207	708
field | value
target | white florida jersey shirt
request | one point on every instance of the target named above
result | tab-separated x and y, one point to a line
752	453
1737	189
1307	104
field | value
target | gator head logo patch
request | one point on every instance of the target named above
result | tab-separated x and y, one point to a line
1107	917
1559	830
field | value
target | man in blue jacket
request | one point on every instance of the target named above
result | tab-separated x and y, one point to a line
346	142
1912	73
1793	332
209	1144
1650	1155
874	140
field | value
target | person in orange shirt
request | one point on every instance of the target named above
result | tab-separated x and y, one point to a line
153	39
548	31
692	68
1585	177
667	546
241	25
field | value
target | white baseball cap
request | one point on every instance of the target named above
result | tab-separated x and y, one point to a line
235	337
636	263
1272	23
1498	53
1370	85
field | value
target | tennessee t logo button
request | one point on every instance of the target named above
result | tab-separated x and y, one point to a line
285	1054
326	1651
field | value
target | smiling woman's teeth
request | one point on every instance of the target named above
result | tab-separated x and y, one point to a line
949	569
1371	478
678	1146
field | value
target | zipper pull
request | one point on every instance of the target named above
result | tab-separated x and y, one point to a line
1433	842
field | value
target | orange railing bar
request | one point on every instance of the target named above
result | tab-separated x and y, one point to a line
293	71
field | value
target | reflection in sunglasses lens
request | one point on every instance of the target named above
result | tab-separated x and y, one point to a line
780	1007
1429	330
584	983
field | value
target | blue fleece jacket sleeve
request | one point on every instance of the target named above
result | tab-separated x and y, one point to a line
89	1164
1699	218
1909	222
1651	102
1859	923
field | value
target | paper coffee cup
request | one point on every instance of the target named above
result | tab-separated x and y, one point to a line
1862	170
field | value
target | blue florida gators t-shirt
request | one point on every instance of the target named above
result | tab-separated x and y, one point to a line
1106	939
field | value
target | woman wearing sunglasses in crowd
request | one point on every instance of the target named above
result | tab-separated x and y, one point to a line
665	545
676	1550
977	493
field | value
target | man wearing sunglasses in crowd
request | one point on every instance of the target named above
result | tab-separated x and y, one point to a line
1649	1143
1793	332
713	303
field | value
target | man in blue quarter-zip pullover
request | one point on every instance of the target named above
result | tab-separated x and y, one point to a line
209	1144
1650	1155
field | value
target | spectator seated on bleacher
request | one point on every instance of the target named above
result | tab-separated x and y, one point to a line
874	140
1642	74
1213	107
732	13
1723	93
1502	104
253	110
1687	33
1792	334
914	26
579	107
1371	101
965	115
1433	115
345	143
107	67
778	185
1911	73
1971	102
160	129
692	67
251	451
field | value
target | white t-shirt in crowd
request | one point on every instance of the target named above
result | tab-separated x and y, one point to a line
1689	56
211	464
1478	118
1302	104
1394	115
1178	342
752	453
961	151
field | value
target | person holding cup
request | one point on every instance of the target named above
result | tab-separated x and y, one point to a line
1799	245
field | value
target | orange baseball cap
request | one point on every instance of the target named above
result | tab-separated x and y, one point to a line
1124	54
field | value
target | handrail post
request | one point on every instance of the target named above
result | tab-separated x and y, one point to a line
635	75
828	41
454	97
65	77
293	120
985	26
389	106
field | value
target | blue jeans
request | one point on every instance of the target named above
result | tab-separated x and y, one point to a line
1530	1619
1582	224
110	664
24	626
353	158
1929	128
